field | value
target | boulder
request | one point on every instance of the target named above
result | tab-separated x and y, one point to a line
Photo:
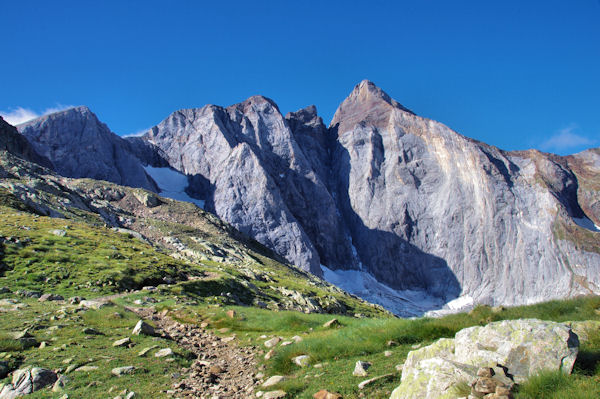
524	346
583	329
333	323
509	350
50	297
27	380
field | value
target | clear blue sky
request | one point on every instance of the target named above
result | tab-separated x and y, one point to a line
515	74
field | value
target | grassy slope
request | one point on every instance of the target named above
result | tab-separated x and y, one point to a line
366	339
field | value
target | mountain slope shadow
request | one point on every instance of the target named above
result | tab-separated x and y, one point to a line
391	259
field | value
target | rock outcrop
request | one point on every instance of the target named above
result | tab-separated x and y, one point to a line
512	350
79	145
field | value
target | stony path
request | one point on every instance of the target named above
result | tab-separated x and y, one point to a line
222	370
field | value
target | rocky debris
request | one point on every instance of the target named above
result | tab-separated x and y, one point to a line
221	369
333	323
364	383
119	371
28	380
274	380
492	383
143	328
513	349
325	394
122	342
360	368
302	360
272	342
164	352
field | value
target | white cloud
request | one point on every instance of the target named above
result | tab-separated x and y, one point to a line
20	115
566	139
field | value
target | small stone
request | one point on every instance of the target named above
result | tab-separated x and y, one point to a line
286	343
372	380
276	379
387	353
91	331
215	369
230	313
302	360
269	354
484	386
324	394
274	394
86	368
486	372
333	323
60	383
272	342
43	344
144	351
119	371
164	352
360	368
143	328
122	342
58	232
224	330
391	342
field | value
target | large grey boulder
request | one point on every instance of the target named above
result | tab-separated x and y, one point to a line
515	349
28	380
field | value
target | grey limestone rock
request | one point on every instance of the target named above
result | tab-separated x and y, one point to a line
79	145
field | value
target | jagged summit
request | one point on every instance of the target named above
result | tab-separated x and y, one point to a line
367	103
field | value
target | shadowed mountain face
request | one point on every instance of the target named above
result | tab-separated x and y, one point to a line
15	143
79	145
386	192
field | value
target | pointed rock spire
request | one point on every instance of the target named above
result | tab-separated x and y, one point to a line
367	102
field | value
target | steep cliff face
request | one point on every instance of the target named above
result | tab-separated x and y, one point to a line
246	162
431	209
79	145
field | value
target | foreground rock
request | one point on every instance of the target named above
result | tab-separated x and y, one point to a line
28	380
512	349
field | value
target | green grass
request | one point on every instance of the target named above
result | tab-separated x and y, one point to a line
152	376
366	339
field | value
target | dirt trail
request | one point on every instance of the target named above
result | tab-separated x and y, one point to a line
222	369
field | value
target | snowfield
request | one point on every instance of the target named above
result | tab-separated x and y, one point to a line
172	184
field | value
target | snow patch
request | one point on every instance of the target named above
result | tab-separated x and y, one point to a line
403	303
172	184
586	224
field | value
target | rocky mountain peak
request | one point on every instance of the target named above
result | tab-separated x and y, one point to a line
368	103
255	104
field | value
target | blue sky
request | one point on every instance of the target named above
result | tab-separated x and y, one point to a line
515	74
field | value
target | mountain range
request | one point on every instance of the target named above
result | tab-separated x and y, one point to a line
391	206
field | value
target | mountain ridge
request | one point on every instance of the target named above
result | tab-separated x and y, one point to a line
383	191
